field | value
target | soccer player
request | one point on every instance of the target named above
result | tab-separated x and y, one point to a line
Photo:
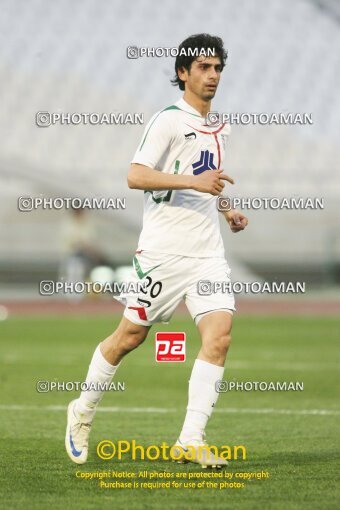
179	165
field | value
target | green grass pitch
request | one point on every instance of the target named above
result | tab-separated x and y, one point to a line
298	450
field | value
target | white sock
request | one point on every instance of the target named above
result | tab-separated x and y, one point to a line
202	399
100	371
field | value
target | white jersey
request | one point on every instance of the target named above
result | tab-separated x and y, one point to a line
177	140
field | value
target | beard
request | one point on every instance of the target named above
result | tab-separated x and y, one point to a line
207	96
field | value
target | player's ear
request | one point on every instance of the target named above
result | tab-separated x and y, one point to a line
182	73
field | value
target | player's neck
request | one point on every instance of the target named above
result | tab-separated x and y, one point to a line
203	107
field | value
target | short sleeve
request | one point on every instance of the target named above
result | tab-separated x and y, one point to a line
155	142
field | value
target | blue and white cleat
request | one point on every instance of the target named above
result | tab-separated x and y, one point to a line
77	436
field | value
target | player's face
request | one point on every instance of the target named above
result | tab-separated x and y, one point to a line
203	77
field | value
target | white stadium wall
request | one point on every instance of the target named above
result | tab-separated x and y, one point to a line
71	57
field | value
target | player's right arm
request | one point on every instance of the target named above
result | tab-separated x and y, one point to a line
146	178
157	140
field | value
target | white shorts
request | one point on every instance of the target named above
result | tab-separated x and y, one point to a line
168	279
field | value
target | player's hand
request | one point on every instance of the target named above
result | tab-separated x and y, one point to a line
211	181
237	221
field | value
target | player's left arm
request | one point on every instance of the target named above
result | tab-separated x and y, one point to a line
236	220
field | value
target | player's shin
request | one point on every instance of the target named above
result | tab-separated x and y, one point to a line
202	399
99	377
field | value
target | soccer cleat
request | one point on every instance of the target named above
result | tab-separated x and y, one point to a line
77	436
198	452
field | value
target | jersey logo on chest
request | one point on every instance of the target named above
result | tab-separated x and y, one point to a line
206	162
190	136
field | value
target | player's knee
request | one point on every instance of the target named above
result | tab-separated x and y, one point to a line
222	343
217	346
131	340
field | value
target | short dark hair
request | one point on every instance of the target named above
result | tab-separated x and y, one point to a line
199	41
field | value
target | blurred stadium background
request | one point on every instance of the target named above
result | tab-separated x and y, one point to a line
71	57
